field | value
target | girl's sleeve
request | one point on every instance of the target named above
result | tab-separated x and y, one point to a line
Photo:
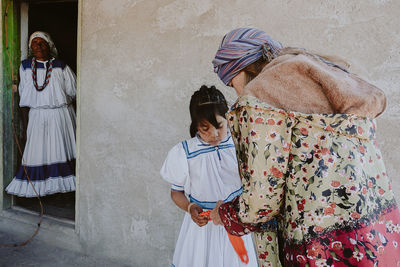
262	139
175	169
69	81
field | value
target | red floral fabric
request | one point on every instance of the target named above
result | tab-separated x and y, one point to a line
315	188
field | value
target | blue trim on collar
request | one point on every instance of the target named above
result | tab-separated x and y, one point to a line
226	140
203	143
26	64
196	153
209	205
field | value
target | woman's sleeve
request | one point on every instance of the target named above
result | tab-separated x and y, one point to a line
175	169
229	217
69	81
262	139
22	80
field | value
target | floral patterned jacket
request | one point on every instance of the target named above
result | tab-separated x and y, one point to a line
321	181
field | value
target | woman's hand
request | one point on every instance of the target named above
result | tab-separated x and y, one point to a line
195	211
214	215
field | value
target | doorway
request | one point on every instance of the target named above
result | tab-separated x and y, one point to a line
60	20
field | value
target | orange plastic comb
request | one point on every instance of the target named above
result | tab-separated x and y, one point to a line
206	214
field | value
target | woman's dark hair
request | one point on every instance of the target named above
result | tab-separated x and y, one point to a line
205	104
254	69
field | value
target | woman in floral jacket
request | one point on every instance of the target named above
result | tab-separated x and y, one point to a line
315	188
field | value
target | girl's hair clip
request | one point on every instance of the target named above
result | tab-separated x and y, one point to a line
209	102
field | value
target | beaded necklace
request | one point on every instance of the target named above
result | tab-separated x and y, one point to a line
49	69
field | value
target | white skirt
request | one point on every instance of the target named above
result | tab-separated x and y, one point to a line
49	155
209	246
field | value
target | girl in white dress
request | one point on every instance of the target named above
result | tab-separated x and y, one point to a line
203	170
47	87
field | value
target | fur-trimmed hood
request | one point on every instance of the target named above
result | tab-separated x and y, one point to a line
305	84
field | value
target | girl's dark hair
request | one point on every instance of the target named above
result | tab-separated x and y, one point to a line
205	104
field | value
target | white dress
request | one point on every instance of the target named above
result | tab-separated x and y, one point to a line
206	174
49	155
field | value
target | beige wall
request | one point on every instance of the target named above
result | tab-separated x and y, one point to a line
141	61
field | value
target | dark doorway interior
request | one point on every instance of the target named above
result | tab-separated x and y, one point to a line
60	205
60	20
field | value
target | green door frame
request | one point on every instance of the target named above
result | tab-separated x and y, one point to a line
10	61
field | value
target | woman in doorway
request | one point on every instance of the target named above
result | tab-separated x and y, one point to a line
47	88
304	130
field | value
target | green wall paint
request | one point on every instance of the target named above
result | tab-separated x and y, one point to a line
10	48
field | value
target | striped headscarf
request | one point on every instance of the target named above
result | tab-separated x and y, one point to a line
241	47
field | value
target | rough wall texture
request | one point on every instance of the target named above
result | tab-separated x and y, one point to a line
141	61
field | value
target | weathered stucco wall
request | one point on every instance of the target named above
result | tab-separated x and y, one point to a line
141	61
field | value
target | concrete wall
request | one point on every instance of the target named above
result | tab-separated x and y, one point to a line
141	61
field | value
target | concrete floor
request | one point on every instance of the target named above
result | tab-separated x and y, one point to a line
37	253
50	248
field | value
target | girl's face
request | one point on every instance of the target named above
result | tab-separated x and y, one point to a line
210	134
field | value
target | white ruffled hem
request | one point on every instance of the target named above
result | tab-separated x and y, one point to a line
23	188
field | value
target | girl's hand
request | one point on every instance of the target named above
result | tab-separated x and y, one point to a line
195	211
214	215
